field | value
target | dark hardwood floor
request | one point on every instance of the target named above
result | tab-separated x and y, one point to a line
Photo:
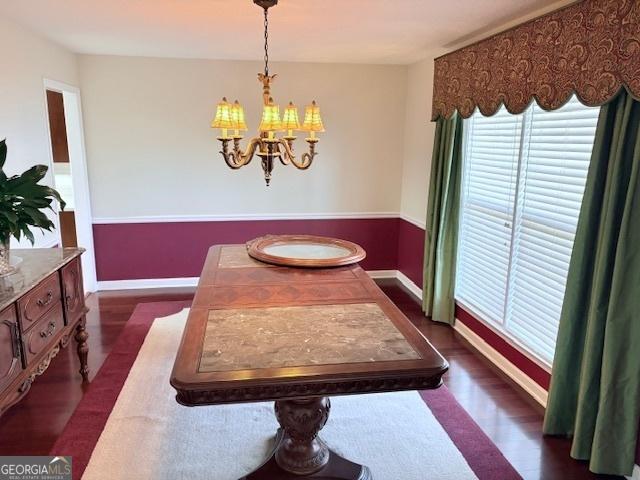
503	412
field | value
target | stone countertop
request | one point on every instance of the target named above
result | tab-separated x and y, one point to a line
36	265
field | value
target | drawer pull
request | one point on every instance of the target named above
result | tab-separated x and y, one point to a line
49	331
15	339
46	301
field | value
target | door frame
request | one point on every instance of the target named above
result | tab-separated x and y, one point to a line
79	174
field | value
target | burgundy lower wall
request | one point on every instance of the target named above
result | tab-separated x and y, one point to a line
127	251
515	356
411	251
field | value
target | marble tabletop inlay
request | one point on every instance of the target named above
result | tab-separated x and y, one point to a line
251	338
236	256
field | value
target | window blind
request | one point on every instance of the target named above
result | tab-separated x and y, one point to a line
491	153
513	274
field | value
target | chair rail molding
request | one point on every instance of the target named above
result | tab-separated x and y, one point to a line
414	221
244	217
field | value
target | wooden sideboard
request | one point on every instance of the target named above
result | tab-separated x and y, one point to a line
41	307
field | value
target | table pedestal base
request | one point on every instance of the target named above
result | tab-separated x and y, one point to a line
299	453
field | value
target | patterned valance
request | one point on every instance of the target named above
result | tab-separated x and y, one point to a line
590	48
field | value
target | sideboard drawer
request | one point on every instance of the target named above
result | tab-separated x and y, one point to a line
72	290
44	332
37	302
10	364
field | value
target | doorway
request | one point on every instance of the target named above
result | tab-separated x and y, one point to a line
69	167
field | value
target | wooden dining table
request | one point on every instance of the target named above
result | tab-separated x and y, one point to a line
296	336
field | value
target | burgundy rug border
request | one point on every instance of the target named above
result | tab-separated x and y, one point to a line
81	434
483	456
87	422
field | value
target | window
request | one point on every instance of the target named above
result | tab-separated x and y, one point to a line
522	187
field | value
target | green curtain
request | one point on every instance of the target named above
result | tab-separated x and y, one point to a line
595	387
442	220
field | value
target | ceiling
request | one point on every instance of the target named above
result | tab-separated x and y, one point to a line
354	31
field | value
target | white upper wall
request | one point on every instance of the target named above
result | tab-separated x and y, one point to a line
418	139
26	60
151	152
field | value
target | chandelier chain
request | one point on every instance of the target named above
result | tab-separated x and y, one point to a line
266	42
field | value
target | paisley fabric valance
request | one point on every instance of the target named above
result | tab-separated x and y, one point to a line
590	48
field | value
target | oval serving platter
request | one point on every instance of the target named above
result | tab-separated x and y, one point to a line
305	251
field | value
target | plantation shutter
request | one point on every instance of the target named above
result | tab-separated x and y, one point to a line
523	182
491	150
555	160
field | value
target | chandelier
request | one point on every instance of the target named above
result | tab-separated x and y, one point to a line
267	145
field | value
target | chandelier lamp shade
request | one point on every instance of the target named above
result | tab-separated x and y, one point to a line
270	118
267	145
290	120
312	120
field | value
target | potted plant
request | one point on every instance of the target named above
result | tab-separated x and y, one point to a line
22	201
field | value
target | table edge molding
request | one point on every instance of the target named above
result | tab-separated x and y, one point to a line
257	393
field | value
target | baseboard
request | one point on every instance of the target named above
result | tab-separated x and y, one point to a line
143	283
538	393
382	273
138	284
636	473
414	289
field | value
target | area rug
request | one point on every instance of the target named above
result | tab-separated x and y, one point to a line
129	425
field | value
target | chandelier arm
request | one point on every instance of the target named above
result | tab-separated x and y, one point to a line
231	161
237	158
250	150
306	158
306	162
229	157
289	156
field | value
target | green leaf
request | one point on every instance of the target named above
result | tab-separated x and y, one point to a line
23	199
37	202
9	215
54	193
3	153
28	178
28	234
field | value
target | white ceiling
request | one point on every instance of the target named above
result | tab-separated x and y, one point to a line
359	31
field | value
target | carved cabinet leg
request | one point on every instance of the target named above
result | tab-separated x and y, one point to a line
81	337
